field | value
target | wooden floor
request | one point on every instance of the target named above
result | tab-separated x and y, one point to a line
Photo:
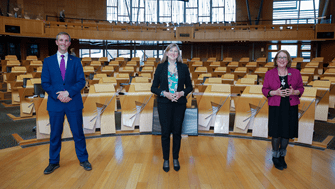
136	162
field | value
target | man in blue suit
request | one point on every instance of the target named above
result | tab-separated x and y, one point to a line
63	79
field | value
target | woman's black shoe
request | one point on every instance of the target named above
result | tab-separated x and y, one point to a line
277	163
166	166
176	165
282	161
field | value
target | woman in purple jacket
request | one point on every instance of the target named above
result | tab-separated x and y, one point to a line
283	87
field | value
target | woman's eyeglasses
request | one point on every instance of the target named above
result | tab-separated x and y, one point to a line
283	58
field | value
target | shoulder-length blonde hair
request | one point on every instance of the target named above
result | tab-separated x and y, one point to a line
289	59
179	59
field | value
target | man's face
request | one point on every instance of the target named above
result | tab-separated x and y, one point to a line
63	43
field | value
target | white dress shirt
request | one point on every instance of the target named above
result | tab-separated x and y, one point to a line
59	58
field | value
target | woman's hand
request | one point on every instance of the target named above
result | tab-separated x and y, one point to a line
178	95
169	95
290	91
280	92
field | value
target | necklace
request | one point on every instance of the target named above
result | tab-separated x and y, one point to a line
172	68
285	72
282	81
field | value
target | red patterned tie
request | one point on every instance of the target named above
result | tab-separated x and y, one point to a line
62	67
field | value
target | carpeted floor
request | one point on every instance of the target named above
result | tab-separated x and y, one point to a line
8	127
24	128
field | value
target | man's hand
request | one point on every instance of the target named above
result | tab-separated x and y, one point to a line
63	96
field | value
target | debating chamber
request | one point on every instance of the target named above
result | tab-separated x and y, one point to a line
115	55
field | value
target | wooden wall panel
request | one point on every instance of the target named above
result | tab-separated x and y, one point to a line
236	50
326	50
32	27
83	4
2	26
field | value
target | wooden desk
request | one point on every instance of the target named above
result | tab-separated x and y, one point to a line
261	74
214	108
251	67
261	62
99	109
232	66
251	112
322	99
219	71
307	116
137	108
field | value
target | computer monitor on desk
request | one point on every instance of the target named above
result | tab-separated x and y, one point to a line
25	82
8	69
38	90
91	76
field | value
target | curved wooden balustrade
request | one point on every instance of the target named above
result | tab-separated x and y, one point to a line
202	78
194	32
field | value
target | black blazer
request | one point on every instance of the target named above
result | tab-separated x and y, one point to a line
161	83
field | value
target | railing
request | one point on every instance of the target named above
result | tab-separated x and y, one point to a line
104	30
236	23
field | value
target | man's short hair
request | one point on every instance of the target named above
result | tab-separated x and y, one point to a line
63	33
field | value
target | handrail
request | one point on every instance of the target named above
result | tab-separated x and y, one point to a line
226	23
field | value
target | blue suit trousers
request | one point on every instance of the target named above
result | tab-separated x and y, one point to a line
75	119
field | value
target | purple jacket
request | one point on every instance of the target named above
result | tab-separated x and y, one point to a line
271	82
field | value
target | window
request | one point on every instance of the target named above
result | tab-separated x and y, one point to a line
84	53
305	47
124	53
138	11
273	47
32	49
271	56
293	12
112	10
192	12
306	56
96	53
295	48
174	11
204	11
111	54
292	49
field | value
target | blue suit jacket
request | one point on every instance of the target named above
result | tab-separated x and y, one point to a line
52	82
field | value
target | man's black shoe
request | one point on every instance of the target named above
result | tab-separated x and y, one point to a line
87	166
51	167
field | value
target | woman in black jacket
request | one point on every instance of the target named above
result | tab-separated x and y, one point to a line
171	84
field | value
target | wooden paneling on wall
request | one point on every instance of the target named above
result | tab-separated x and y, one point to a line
326	49
47	47
236	50
202	33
